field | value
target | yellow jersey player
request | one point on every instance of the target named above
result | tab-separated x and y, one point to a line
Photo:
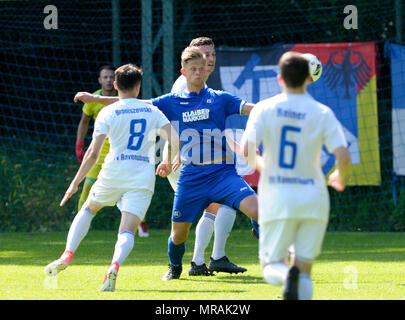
91	110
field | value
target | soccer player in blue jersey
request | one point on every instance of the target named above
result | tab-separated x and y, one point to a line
206	176
215	218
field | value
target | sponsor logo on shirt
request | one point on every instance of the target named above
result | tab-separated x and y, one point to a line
196	115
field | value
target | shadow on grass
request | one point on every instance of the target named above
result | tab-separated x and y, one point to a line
239	278
182	291
39	249
227	279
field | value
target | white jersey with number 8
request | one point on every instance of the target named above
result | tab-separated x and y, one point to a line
131	127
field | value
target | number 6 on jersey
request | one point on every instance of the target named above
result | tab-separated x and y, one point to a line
285	143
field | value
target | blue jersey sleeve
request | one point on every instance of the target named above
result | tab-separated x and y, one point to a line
163	103
233	103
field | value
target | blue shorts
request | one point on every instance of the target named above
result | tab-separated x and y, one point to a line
198	186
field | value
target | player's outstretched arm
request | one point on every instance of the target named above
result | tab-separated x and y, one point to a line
255	162
89	160
250	152
87	97
338	176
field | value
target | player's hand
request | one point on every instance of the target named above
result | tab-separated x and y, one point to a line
163	169
68	194
336	182
79	150
85	97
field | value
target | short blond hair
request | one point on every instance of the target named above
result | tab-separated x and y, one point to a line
191	53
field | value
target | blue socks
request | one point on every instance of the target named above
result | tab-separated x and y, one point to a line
176	253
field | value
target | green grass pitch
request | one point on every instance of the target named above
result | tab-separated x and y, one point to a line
352	266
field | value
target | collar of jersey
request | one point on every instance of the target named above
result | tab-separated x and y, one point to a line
194	94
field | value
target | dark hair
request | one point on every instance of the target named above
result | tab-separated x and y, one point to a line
127	76
106	67
294	69
201	41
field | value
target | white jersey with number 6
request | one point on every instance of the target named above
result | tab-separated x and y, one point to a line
131	127
293	129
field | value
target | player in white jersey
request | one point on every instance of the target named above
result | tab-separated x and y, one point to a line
293	196
127	177
215	217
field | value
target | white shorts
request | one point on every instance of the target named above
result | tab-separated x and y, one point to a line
173	178
135	201
275	238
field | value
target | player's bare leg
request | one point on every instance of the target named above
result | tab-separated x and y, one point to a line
249	206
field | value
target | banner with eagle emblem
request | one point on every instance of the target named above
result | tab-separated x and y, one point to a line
397	56
347	85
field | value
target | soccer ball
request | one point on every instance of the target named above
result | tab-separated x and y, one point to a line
315	66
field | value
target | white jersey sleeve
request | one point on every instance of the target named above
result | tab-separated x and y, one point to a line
334	136
254	128
161	118
102	123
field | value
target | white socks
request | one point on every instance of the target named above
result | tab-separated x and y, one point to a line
276	275
203	234
79	228
81	225
123	246
305	287
223	225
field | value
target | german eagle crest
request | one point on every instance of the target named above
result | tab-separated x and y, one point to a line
349	72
